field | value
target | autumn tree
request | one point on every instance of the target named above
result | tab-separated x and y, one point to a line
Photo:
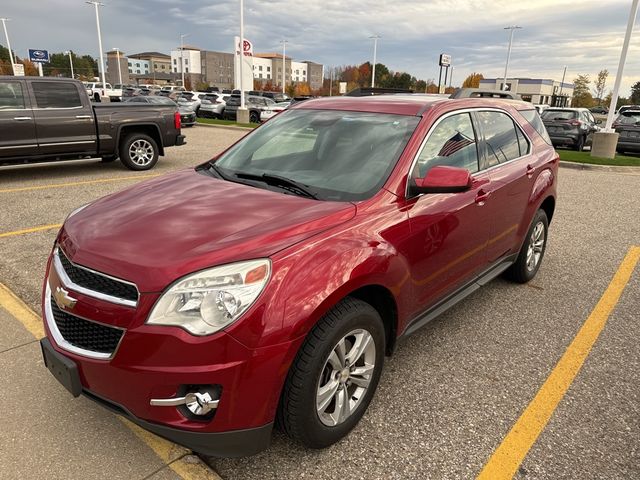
581	94
473	80
600	85
635	93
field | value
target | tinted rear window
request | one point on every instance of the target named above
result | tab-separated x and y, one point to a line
56	95
533	118
629	118
559	115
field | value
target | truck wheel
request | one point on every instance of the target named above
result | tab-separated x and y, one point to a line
334	376
138	151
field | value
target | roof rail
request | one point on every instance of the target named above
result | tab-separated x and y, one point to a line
484	93
368	91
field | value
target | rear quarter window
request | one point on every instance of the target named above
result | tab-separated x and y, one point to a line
534	119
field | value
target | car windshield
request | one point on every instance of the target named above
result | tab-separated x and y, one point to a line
559	114
338	155
629	118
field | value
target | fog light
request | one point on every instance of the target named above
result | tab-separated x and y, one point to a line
200	403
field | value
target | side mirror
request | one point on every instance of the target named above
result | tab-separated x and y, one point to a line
442	179
599	122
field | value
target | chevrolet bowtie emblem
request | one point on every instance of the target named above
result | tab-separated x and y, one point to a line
62	298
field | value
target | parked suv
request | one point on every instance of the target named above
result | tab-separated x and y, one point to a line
570	127
268	284
254	104
628	127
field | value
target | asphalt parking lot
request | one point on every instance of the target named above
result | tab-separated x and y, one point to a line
447	398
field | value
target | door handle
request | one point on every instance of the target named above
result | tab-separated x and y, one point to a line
481	197
83	116
530	170
21	119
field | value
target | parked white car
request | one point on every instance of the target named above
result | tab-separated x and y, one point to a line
213	107
272	110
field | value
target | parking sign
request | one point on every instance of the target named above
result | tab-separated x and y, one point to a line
38	56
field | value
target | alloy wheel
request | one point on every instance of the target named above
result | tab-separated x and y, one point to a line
536	246
141	152
345	377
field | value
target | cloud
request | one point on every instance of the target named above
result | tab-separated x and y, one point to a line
585	35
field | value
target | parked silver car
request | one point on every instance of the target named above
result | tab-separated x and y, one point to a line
213	105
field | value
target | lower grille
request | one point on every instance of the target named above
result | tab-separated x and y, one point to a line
84	334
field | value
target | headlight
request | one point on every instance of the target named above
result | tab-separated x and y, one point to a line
208	301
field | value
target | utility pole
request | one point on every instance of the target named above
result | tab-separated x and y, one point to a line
96	5
68	52
6	35
284	63
119	70
375	51
511	29
564	74
182	35
331	82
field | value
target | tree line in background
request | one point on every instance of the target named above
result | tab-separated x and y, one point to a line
584	96
85	67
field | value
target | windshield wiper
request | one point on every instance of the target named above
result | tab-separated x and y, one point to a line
218	171
282	182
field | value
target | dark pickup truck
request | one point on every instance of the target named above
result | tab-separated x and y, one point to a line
45	119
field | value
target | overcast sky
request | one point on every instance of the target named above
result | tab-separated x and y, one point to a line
585	35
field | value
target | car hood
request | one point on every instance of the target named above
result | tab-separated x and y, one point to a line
160	230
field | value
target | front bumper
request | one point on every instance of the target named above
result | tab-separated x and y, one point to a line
159	362
237	443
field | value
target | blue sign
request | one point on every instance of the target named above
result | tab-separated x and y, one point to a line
41	56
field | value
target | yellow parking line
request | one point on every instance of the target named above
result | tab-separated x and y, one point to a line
30	230
511	452
179	459
16	307
73	184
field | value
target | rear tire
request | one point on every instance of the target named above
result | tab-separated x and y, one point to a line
338	365
138	151
532	252
579	146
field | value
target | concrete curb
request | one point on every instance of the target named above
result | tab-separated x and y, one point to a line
600	168
226	127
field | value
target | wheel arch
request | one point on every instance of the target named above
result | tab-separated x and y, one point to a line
148	129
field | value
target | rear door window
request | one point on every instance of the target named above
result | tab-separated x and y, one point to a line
56	95
11	96
534	119
500	137
452	143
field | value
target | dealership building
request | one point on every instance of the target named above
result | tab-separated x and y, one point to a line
539	91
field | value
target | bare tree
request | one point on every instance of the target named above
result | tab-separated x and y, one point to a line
600	85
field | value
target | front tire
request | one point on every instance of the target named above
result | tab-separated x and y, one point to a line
138	151
532	251
334	376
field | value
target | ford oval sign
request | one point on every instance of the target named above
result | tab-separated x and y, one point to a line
41	56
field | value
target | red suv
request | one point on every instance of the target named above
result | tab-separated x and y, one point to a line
267	285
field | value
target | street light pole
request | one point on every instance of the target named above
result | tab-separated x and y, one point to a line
182	35
512	28
564	74
119	70
6	35
623	59
375	51
96	5
68	52
284	63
